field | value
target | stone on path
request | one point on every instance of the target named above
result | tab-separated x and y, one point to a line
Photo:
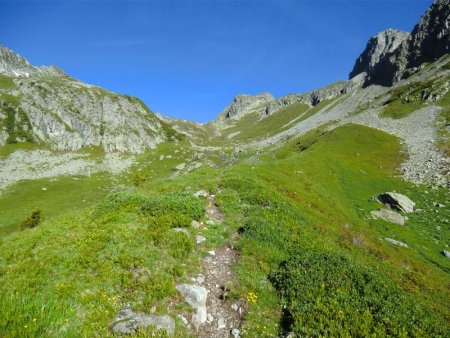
195	296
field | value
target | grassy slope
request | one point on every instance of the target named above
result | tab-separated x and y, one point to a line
307	197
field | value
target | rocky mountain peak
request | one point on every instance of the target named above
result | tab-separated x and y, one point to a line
392	56
14	65
244	104
378	47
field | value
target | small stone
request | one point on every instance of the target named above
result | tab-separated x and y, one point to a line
184	320
446	253
199	239
212	252
181	166
395	242
235	333
209	318
234	307
210	222
195	224
222	323
201	193
44	189
439	205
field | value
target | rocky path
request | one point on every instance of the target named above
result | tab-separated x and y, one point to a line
223	315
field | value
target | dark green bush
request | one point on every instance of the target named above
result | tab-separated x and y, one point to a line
174	203
33	220
327	295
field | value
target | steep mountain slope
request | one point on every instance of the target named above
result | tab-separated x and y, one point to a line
45	106
428	41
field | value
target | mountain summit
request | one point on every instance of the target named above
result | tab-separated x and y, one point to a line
394	55
45	106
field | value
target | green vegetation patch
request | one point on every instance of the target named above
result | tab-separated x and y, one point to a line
327	295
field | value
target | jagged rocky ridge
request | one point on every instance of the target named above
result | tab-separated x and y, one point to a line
45	106
265	104
392	55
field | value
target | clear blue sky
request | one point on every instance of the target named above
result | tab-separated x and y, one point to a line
189	59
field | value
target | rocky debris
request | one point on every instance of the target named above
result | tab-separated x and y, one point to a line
38	164
389	216
378	47
392	56
235	333
396	201
395	242
425	162
128	322
196	297
446	253
199	239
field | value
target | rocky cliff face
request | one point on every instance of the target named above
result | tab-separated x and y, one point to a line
43	105
386	61
265	104
378	48
245	104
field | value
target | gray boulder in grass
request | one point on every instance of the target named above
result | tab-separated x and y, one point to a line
128	322
396	201
389	216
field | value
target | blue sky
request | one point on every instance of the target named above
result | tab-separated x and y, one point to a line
189	59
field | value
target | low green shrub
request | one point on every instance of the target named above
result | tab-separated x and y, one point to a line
34	220
327	295
174	202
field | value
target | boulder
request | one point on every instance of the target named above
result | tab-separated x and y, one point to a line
195	296
396	201
128	322
395	242
389	216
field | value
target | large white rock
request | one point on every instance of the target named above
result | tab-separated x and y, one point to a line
396	201
388	216
196	297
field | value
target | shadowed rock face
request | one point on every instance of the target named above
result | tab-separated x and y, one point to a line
393	55
45	106
378	48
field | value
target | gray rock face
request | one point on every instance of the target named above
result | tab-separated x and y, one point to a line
128	322
196	297
266	104
397	243
50	108
429	40
389	216
396	201
379	47
12	64
245	104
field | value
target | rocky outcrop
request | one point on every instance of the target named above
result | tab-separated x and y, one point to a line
43	105
12	64
386	61
265	104
378	48
129	322
245	104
